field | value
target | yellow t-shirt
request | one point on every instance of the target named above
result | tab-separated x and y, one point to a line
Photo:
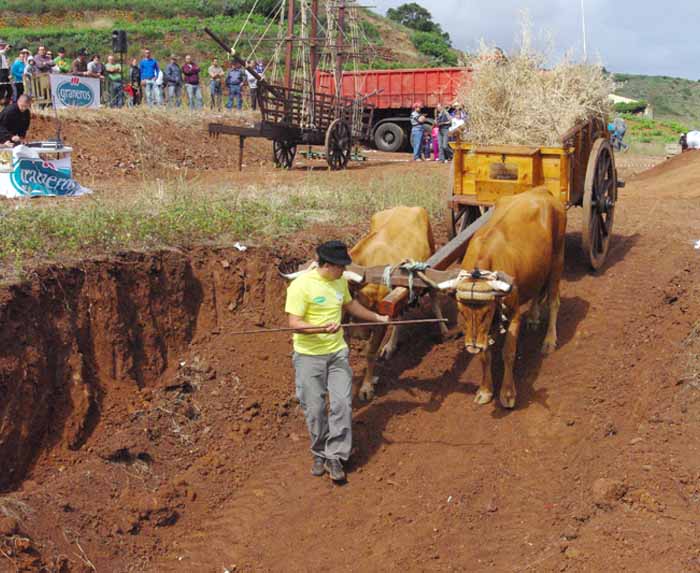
318	301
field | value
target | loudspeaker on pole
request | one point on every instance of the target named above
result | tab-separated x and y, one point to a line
119	42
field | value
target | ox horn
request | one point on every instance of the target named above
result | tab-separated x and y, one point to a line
308	267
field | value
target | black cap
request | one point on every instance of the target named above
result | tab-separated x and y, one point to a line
334	252
82	52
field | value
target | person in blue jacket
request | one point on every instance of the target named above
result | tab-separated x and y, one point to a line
149	73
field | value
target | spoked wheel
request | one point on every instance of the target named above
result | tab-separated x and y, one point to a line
599	197
338	145
283	153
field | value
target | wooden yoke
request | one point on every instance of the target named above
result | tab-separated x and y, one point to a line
453	251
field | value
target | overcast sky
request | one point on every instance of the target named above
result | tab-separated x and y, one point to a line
653	37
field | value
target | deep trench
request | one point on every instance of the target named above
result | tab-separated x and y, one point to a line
73	334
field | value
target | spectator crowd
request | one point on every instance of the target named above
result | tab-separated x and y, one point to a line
430	141
144	82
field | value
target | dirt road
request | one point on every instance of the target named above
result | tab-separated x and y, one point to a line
597	469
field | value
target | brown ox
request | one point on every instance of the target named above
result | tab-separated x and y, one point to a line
395	235
516	257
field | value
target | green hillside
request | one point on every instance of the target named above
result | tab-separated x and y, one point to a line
673	99
176	26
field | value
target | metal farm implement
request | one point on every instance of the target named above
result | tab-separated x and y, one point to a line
296	112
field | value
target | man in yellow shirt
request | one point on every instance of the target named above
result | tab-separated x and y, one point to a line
317	299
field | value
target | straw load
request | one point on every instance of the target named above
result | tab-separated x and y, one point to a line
516	100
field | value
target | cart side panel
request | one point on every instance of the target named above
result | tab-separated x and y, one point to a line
556	170
500	174
465	165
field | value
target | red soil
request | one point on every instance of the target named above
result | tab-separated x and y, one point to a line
137	433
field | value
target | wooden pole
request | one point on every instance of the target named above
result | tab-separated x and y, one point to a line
339	42
241	144
320	329
290	45
313	48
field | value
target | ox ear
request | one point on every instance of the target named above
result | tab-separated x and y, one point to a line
502	284
303	269
500	287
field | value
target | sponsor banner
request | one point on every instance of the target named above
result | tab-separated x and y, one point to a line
32	172
74	91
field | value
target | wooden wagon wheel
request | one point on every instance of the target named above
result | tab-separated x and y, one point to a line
599	197
338	145
283	153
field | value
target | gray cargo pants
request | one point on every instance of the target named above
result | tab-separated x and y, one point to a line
318	377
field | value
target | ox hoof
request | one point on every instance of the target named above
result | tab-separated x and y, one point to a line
548	347
367	390
483	397
507	399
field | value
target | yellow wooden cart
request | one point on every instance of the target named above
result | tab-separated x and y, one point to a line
581	171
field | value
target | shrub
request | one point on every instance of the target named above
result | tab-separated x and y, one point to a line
435	46
630	107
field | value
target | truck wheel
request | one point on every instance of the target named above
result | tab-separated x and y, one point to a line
389	137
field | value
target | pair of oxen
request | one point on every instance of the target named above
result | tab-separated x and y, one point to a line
517	257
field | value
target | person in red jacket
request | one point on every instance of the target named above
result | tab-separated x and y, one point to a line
194	93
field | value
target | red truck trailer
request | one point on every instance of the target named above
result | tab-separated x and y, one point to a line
393	93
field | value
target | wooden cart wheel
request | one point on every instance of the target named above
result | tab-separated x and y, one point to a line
338	145
599	197
283	153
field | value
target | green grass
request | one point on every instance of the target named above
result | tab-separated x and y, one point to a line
179	214
672	99
649	137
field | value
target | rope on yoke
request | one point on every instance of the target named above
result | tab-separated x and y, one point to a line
413	268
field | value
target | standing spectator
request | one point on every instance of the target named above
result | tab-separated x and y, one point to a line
160	86
434	137
5	82
260	68
443	122
417	131
234	82
42	61
30	72
148	71
18	74
95	69
427	140
80	64
113	71
252	82
194	92
173	82
216	76
61	65
135	82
